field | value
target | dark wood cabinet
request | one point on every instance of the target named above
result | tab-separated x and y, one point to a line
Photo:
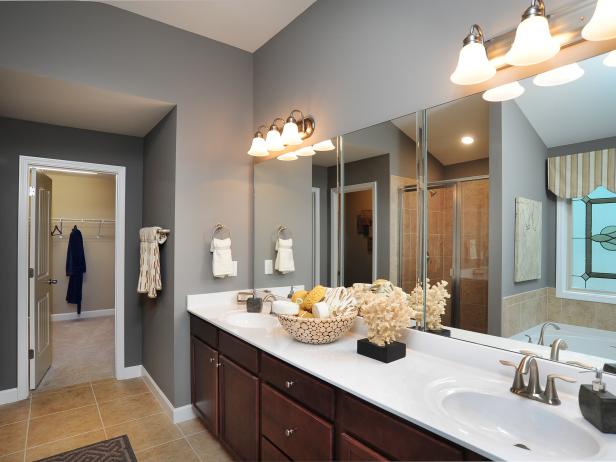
239	410
351	450
270	453
204	389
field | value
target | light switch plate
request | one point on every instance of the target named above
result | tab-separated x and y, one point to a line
234	273
269	267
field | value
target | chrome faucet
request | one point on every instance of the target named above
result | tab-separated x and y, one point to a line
532	389
269	297
557	345
545	326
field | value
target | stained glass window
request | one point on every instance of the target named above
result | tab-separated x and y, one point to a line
593	246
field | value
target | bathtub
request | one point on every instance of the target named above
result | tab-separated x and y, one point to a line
586	340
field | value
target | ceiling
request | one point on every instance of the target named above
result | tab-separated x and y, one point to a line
41	99
579	111
245	24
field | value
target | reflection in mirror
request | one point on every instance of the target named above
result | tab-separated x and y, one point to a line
522	217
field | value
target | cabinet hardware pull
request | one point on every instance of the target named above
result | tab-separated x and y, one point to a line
212	360
218	364
289	432
289	383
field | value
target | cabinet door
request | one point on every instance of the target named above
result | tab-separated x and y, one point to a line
352	450
239	410
204	389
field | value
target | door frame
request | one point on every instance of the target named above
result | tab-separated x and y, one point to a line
371	186
25	163
316	238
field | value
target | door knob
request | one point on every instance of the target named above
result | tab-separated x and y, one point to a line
52	281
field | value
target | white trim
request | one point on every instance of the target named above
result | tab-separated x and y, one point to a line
25	163
176	414
334	237
563	255
316	229
84	314
8	396
130	372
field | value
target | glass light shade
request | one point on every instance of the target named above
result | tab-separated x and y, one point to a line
306	151
559	76
602	25
326	145
290	134
533	43
273	141
258	147
504	92
287	156
473	65
610	59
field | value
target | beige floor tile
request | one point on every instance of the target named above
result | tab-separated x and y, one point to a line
62	425
71	398
12	437
147	432
178	450
106	390
58	447
14	412
15	457
190	427
207	448
129	408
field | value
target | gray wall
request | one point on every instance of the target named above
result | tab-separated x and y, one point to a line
159	210
41	140
320	180
467	169
211	83
586	146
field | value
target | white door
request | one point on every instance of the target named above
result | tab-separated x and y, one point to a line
41	281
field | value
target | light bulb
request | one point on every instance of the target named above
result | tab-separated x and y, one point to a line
602	25
290	133
326	145
258	147
306	151
473	65
559	76
273	140
610	59
287	156
504	92
533	41
467	140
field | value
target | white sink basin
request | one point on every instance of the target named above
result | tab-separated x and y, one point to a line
534	429
251	320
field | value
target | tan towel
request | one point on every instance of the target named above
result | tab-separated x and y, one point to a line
149	265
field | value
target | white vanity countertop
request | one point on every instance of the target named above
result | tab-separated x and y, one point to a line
414	387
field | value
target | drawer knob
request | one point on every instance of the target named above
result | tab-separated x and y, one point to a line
289	432
289	383
212	360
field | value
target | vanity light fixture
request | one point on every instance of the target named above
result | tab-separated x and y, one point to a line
258	147
273	140
287	156
473	65
602	25
559	76
504	92
326	145
306	151
467	140
610	59
291	133
533	41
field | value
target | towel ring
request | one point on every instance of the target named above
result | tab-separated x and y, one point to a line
220	227
284	229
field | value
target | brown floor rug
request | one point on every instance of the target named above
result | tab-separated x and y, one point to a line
112	450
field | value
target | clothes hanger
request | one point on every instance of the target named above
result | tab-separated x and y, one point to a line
284	229
220	227
57	231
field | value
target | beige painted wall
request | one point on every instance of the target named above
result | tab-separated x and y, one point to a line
85	196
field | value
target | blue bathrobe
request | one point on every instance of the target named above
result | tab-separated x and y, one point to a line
75	268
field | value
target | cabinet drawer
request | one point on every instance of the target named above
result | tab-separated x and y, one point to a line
397	439
239	351
204	331
270	453
311	392
296	431
351	450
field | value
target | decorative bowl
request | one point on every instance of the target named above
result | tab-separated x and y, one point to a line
317	330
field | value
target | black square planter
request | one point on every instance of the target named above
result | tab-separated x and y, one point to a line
385	354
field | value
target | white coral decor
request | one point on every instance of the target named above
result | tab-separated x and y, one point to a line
386	312
436	301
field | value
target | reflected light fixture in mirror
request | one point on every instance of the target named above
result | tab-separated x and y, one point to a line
325	145
602	25
610	59
467	140
273	140
473	65
290	132
504	92
306	151
287	156
533	41
258	147
559	76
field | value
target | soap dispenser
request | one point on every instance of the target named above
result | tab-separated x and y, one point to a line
598	406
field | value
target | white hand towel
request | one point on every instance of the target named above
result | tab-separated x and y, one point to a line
149	265
222	262
284	256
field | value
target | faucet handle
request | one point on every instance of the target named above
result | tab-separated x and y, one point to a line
504	362
564	378
528	352
550	396
580	364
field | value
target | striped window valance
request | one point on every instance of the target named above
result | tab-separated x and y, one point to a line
578	175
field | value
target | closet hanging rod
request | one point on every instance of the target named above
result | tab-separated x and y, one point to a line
83	220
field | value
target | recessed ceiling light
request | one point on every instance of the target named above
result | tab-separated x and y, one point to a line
559	76
467	140
504	92
610	59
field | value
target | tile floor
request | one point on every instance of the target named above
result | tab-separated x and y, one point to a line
54	421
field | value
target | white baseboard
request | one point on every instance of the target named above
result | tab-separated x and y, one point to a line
176	414
83	315
129	372
8	396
